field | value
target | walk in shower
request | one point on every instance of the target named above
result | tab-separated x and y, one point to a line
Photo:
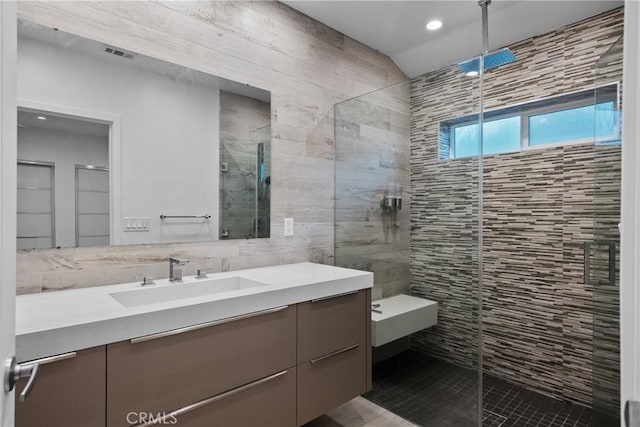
497	196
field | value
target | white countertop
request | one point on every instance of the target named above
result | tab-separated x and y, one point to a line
58	322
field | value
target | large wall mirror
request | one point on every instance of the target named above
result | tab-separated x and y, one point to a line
120	148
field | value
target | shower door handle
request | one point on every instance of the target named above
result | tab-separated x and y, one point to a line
611	249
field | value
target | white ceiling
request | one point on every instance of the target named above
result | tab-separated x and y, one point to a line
397	28
28	118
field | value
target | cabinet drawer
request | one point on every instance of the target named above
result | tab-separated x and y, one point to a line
331	380
268	402
331	324
163	374
69	392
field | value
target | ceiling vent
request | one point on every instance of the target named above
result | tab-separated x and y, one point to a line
118	52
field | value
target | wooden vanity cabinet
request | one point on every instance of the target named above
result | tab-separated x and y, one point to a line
334	352
324	384
269	402
166	372
329	324
280	367
69	392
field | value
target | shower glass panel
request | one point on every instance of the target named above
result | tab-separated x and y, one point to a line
372	187
604	253
406	209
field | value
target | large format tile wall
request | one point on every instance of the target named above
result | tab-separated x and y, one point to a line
307	66
372	152
538	210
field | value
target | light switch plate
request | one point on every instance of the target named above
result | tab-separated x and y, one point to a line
288	227
140	223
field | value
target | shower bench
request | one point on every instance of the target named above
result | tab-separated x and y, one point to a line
397	317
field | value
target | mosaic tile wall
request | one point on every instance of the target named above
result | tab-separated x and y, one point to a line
538	211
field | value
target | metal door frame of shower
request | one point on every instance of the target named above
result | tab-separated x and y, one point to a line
630	213
484	6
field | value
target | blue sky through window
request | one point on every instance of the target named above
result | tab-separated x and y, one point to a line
573	124
500	136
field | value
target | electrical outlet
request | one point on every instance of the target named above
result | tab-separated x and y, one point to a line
136	223
288	227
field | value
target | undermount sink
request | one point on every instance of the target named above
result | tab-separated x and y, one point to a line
172	292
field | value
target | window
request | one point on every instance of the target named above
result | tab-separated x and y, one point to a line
574	118
576	124
500	136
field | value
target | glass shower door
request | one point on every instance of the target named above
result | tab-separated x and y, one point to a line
602	255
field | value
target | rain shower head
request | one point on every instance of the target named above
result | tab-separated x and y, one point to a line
491	60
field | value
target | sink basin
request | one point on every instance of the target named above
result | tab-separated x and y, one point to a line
163	293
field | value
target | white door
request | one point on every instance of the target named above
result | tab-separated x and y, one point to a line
8	135
92	206
36	226
630	223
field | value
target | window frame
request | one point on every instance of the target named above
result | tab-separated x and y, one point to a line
529	109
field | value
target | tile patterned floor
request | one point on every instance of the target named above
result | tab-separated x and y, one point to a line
433	393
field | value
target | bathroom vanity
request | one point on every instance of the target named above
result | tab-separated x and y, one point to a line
275	346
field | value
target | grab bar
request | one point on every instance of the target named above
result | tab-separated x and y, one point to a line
206	216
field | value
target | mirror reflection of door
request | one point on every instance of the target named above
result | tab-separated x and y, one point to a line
92	205
77	212
36	211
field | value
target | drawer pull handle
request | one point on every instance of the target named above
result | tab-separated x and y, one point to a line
206	325
335	353
334	296
51	359
216	398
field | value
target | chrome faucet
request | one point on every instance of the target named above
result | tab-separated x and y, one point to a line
175	269
202	273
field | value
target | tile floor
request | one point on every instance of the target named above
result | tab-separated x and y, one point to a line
359	412
433	393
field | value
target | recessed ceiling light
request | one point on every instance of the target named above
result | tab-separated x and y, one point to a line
434	25
472	74
42	118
